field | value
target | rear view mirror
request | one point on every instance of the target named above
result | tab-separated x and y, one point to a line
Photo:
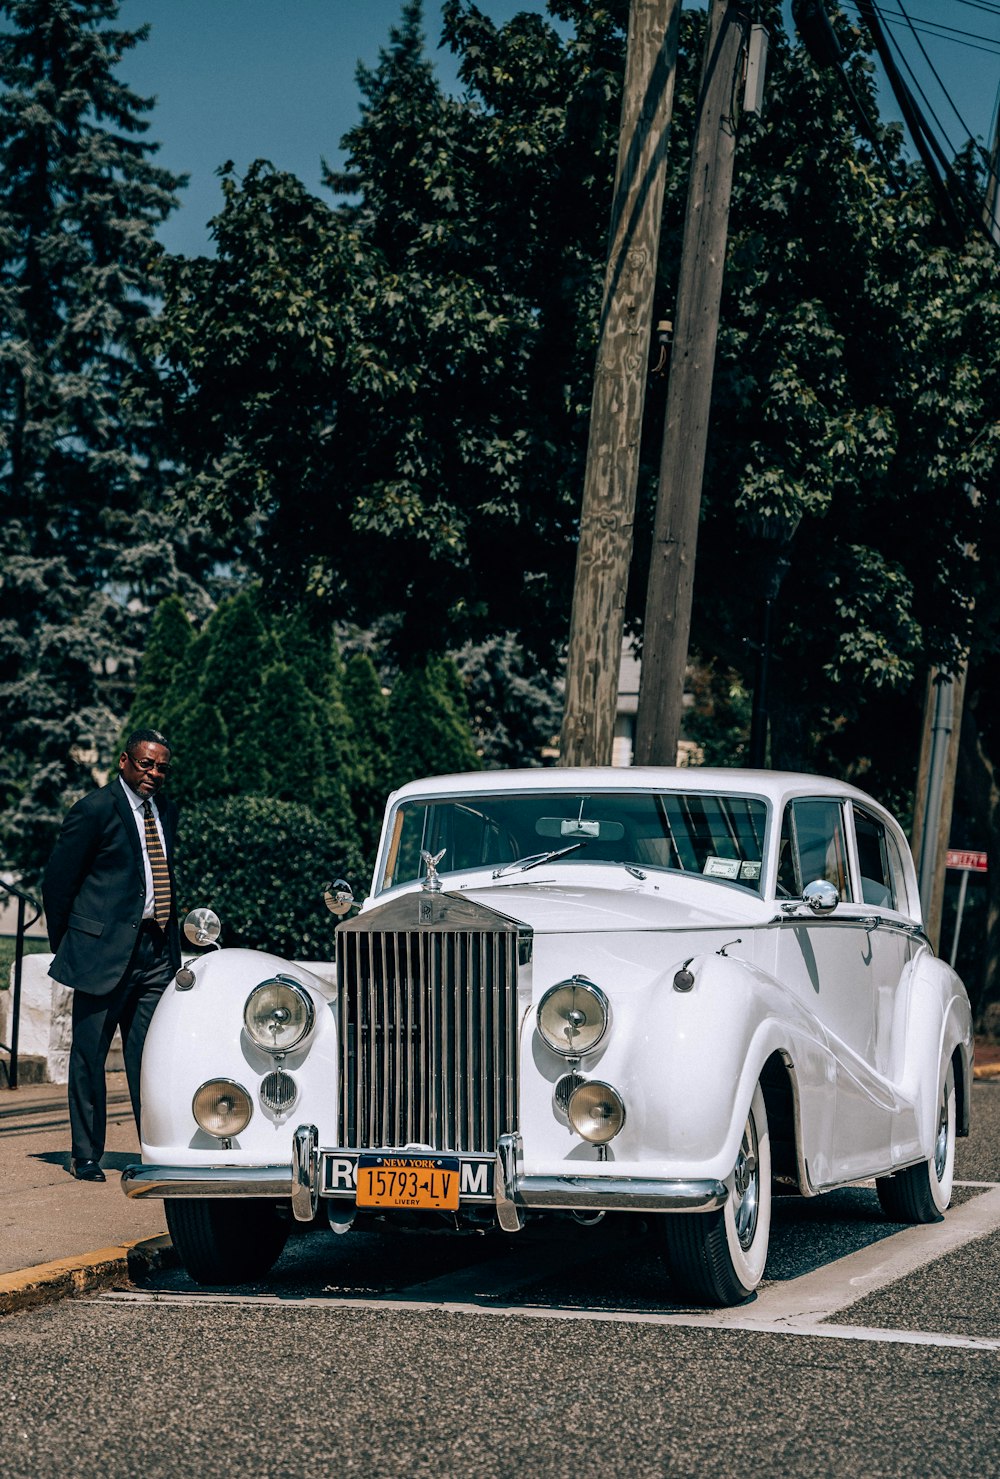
605	831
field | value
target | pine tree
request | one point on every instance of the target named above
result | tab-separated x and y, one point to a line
429	722
310	647
164	661
369	711
81	530
294	757
240	652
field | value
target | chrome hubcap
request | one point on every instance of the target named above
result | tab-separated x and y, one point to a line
746	1186
941	1143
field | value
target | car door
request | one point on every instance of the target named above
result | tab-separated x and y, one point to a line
895	938
829	960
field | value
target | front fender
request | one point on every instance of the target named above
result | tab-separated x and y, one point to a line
198	1034
686	1064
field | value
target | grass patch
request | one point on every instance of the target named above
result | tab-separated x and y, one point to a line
7	944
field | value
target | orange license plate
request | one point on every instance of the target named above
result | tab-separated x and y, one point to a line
424	1183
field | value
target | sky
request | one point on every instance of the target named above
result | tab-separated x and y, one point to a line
275	79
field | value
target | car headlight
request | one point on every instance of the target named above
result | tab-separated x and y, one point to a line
596	1111
573	1016
222	1107
278	1014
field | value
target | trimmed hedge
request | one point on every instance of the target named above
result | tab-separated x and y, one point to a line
262	865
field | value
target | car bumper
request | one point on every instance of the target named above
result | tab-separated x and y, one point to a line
514	1192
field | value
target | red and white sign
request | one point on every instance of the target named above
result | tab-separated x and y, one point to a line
971	862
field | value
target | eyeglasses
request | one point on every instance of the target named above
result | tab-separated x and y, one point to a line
150	765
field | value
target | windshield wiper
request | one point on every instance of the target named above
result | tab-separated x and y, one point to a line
537	859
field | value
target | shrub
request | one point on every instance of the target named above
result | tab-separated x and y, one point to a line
262	866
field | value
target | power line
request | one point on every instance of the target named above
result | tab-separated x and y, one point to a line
937	78
940	31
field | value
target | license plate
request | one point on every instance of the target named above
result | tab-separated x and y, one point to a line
421	1182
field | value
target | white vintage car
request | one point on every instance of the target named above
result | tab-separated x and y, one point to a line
667	992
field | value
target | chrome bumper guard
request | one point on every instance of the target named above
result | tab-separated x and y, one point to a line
299	1181
514	1193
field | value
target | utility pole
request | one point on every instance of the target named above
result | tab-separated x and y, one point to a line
667	627
604	552
935	793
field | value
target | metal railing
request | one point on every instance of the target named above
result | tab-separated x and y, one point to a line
23	900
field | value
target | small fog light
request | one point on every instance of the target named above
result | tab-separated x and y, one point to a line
596	1112
222	1107
278	1092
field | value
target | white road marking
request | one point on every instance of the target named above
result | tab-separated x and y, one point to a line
831	1289
796	1307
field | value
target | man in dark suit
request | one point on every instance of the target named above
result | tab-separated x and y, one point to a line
112	920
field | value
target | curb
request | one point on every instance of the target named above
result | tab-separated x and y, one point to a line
987	1071
46	1282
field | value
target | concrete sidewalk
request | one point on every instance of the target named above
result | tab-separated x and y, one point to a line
59	1235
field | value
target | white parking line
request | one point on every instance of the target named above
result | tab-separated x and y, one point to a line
797	1307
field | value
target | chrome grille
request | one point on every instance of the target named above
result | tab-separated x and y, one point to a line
428	1037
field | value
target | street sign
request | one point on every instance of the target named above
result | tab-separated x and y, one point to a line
970	862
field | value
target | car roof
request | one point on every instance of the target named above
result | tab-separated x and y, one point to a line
773	785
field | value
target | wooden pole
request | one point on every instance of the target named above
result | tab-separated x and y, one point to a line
667	627
604	552
935	793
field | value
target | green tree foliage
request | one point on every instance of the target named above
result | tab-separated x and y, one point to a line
421	362
85	544
515	708
368	710
398	385
262	864
165	660
429	723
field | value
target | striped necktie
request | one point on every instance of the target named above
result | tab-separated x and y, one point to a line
158	864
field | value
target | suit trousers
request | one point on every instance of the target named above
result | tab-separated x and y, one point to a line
129	1006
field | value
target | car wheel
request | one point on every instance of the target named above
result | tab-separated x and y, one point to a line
922	1193
718	1257
227	1241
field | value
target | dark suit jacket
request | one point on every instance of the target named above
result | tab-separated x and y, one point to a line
95	888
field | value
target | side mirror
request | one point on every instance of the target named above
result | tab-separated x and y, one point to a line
338	897
203	927
820	896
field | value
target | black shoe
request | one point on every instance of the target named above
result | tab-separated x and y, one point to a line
88	1171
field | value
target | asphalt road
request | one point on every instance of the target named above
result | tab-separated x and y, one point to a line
870	1350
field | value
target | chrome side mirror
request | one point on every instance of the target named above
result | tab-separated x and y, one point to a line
820	896
338	897
203	927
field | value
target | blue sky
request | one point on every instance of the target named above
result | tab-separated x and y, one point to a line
274	79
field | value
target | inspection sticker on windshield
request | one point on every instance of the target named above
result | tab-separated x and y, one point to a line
721	868
749	870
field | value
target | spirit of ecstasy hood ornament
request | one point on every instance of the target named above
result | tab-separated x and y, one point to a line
431	882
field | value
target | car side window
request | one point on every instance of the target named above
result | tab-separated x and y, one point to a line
877	852
812	846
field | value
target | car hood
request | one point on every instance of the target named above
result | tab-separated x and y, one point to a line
565	908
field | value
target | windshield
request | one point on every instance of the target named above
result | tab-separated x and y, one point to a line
690	832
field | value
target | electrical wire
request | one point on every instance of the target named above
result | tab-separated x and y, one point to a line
940	31
991	9
937	78
947	184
